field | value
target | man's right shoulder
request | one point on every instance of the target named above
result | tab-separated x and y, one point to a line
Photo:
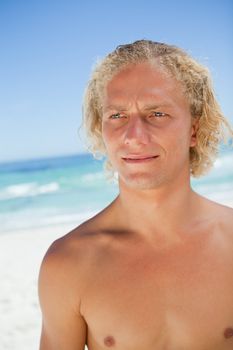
76	249
68	265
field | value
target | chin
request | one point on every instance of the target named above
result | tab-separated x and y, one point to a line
142	181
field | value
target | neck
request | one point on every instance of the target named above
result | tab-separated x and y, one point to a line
163	211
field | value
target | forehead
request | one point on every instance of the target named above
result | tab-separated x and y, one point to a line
143	81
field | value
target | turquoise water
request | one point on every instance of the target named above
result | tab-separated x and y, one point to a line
70	189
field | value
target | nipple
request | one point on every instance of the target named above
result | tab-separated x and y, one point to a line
109	341
228	333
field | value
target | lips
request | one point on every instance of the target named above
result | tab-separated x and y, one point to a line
139	158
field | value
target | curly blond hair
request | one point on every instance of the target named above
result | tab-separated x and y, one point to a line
195	80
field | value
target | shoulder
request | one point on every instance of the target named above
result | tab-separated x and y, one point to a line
217	219
67	270
223	215
219	213
222	219
72	256
62	283
60	271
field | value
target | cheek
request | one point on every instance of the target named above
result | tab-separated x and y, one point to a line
179	139
108	137
105	133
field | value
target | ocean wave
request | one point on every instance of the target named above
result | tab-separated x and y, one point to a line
30	189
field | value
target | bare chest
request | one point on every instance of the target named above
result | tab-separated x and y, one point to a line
168	302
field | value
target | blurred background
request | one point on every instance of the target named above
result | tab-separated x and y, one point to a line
48	183
48	49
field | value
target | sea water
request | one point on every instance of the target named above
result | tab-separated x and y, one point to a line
68	190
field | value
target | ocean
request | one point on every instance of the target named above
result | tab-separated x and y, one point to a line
43	192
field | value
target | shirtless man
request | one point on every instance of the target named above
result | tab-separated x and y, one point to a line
153	270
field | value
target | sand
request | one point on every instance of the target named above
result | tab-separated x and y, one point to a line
21	254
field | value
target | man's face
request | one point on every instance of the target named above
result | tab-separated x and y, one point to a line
147	127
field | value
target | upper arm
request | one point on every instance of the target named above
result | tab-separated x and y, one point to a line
63	327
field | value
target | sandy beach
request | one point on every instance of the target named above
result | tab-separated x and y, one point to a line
21	254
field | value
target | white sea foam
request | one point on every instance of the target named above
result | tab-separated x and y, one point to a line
225	162
66	218
223	167
27	190
92	177
218	192
28	221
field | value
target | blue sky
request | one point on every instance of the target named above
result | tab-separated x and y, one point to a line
49	47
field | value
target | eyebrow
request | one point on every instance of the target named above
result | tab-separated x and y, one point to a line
155	106
114	107
146	107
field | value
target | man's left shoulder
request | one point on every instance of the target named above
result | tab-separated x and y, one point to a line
215	210
224	214
219	217
223	218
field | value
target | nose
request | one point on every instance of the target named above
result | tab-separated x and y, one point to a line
137	131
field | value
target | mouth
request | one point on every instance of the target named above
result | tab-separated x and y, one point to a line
139	159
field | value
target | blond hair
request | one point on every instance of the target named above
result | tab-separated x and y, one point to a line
195	80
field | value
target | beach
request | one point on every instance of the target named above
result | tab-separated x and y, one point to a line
21	254
40	201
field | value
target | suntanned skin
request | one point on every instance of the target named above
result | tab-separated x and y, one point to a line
154	270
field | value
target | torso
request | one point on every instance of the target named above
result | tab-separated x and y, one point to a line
140	297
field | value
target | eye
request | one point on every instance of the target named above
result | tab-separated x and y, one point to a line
159	114
116	116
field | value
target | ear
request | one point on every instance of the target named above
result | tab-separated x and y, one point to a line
195	126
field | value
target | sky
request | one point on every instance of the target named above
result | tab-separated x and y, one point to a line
48	49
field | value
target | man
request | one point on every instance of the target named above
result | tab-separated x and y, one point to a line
153	270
